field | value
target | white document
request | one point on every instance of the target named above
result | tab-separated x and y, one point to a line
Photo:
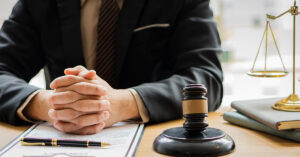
123	137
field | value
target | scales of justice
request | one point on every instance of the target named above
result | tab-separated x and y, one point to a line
292	102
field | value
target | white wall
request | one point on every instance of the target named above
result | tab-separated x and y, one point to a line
5	9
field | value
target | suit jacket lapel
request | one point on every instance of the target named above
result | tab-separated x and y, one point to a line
69	14
128	19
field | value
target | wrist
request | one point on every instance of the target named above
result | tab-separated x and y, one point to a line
38	107
124	104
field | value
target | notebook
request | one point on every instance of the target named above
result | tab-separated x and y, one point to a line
244	121
262	111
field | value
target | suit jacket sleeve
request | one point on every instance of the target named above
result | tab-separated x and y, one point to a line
20	59
192	59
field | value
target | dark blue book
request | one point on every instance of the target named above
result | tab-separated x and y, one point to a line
244	121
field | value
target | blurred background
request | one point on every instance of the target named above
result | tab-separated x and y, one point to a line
241	24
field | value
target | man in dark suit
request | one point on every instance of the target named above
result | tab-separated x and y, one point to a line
144	52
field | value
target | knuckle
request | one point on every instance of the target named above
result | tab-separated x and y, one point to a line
97	89
80	66
99	105
105	104
99	117
55	115
69	78
51	99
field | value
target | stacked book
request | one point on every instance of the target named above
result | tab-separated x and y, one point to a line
259	115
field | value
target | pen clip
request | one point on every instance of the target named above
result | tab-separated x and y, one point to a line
32	144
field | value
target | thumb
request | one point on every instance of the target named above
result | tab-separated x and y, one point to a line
75	71
90	75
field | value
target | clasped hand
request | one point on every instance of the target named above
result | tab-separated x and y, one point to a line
79	102
82	103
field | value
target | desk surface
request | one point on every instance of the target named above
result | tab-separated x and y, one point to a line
248	142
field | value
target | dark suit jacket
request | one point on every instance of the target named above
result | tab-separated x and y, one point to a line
157	62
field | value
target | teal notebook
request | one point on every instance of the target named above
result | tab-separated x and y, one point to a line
244	121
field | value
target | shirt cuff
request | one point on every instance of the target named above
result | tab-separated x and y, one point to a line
22	107
140	105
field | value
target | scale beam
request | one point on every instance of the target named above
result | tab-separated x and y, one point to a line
276	17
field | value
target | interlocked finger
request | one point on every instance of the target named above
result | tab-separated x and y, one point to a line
90	119
86	105
67	80
90	129
64	114
85	88
68	97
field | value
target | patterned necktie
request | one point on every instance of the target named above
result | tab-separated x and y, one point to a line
105	50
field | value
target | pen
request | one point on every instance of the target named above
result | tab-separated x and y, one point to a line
28	141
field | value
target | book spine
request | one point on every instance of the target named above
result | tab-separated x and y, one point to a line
253	116
241	120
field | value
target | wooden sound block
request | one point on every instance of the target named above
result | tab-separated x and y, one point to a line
180	142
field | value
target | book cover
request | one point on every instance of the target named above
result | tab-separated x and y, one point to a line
244	121
261	110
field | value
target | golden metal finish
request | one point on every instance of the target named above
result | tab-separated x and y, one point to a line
266	72
194	106
269	74
275	17
54	142
32	144
103	144
294	11
291	103
87	143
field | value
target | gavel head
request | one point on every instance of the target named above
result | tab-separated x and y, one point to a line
194	107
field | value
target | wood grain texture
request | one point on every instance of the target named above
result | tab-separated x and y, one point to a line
249	143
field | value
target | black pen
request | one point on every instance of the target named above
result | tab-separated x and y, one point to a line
28	141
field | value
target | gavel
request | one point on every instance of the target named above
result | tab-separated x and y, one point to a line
195	138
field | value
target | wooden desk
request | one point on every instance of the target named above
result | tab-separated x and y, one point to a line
248	143
9	132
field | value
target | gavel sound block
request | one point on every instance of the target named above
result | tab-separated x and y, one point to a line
195	138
